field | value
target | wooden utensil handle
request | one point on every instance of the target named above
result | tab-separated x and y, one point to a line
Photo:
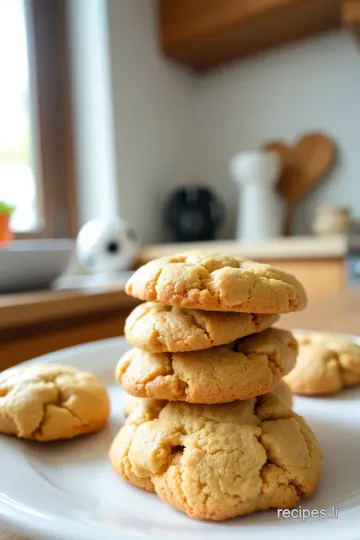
288	219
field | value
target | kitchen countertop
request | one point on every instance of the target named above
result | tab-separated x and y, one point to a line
336	313
36	307
294	247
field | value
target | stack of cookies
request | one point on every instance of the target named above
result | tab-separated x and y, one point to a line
216	436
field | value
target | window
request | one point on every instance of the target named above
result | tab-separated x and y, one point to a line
36	154
17	167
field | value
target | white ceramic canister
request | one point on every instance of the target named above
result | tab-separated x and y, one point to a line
259	216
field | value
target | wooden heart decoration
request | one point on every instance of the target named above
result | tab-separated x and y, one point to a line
304	165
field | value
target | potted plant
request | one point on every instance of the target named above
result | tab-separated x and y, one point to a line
5	213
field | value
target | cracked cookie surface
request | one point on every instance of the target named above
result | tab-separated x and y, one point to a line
46	402
131	402
217	282
219	461
326	364
157	327
245	368
282	392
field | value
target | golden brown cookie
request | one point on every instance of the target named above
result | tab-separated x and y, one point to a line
282	392
45	402
326	364
219	461
131	402
248	367
157	327
217	282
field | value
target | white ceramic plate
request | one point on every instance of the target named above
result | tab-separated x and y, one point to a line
67	490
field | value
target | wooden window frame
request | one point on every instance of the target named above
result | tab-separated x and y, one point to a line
48	41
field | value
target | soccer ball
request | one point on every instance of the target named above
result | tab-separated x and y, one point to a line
106	247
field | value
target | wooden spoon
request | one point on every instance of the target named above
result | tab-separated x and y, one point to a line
304	165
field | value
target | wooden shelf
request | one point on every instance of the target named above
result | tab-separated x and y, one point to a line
17	310
350	15
36	323
203	34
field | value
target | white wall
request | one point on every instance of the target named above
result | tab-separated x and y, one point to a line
154	117
173	128
305	86
93	110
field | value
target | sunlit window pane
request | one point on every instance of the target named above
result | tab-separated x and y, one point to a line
17	163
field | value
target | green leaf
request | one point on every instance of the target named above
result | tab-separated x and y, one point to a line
6	208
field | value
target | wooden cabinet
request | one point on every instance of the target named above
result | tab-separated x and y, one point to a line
37	323
205	33
320	277
350	13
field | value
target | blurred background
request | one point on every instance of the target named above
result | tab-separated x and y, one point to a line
174	124
108	106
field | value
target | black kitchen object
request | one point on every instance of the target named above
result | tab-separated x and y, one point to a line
194	214
353	258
